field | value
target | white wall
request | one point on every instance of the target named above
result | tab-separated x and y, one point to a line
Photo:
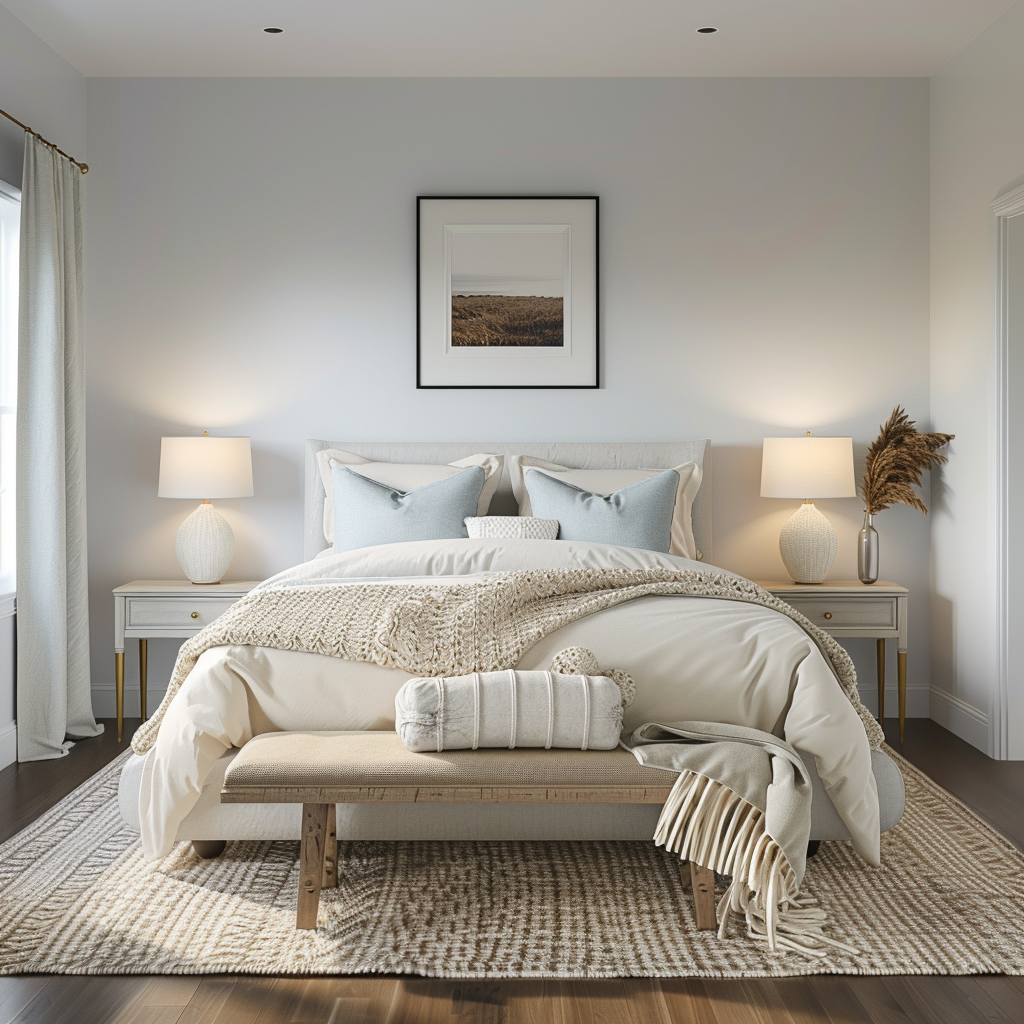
977	152
40	89
251	270
43	91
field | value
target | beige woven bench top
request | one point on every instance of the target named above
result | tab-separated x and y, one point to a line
370	767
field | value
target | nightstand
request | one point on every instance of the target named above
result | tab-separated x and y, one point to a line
848	608
156	608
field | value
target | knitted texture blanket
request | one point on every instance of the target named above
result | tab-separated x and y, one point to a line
454	627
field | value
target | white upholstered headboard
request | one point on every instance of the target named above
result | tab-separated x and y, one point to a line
576	454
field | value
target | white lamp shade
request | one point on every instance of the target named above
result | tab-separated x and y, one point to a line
205	467
807	467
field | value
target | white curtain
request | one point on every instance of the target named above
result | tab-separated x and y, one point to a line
54	700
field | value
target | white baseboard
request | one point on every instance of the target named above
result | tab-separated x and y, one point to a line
9	745
960	718
917	700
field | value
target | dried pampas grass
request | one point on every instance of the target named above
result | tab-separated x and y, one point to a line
895	462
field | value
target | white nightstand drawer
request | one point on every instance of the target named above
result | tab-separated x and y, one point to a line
846	612
174	612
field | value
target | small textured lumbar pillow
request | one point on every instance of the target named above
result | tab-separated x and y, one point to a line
639	516
509	709
368	513
501	527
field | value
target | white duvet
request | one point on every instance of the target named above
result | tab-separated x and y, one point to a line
693	659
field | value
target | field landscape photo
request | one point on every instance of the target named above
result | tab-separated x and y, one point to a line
508	287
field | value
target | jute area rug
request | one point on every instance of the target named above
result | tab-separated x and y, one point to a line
76	897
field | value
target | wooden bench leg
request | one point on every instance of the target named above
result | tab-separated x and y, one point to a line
329	880
703	882
684	874
311	863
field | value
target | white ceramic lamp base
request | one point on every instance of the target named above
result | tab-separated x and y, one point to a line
808	545
204	545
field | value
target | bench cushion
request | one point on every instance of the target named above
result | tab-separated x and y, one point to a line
304	760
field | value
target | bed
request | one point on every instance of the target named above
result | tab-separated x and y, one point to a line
721	641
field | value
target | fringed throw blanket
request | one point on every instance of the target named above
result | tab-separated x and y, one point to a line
741	806
453	628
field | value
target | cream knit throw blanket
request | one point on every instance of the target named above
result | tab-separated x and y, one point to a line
742	807
445	629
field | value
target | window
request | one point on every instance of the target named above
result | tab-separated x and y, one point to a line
10	227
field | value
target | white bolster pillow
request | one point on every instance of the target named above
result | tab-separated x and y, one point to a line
509	709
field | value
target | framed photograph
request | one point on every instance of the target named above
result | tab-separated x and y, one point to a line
507	292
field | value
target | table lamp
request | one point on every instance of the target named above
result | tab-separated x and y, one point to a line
807	467
205	467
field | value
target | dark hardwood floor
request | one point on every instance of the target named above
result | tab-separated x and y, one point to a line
26	790
994	789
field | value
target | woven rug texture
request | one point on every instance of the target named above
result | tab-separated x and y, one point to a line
76	897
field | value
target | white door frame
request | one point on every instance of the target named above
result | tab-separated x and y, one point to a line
1004	208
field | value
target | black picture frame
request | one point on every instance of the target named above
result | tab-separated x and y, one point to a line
504	238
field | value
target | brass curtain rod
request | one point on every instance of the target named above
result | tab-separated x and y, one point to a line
84	168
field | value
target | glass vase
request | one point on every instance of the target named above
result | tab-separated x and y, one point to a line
867	551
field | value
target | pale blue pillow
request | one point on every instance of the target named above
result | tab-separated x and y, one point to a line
367	512
638	516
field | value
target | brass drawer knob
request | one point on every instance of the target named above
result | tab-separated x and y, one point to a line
195	615
828	615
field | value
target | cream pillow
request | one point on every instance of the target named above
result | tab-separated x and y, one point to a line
509	709
608	481
403	476
512	528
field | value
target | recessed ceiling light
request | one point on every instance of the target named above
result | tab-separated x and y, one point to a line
278	31
707	31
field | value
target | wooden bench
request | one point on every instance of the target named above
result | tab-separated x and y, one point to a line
322	769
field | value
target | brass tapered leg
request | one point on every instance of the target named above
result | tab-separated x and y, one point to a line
880	655
119	684
901	682
143	666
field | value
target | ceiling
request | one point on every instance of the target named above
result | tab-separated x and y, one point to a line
125	38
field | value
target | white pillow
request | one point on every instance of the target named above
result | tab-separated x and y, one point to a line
509	709
608	481
501	527
403	476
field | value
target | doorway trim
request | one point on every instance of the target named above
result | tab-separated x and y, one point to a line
1004	209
